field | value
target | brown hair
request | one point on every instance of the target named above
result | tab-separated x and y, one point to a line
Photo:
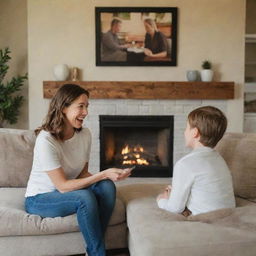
54	121
115	22
211	124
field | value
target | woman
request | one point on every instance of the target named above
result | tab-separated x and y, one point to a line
155	41
60	183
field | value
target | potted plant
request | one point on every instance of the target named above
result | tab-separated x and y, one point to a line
10	102
206	73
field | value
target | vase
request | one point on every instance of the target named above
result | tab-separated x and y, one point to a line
206	75
61	72
192	75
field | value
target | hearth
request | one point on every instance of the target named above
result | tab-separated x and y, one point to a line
142	141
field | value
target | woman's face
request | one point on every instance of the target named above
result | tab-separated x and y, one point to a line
77	111
149	29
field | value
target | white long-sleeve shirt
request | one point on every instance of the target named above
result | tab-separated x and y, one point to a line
201	182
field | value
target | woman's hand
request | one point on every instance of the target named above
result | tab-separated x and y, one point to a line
113	173
148	52
125	173
116	174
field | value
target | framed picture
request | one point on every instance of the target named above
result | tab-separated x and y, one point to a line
136	36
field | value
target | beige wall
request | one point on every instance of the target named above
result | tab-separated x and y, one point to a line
63	31
13	34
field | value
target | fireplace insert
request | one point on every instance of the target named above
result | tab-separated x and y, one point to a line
145	142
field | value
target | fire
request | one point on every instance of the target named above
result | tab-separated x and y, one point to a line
133	155
125	150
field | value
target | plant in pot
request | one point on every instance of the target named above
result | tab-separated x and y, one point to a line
10	101
206	73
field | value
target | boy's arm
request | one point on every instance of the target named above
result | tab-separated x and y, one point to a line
181	186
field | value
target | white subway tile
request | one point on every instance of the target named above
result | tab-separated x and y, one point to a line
144	110
133	109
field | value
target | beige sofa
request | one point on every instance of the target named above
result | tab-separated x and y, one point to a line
30	235
151	231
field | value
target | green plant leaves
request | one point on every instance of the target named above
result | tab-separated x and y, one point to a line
10	102
4	58
206	64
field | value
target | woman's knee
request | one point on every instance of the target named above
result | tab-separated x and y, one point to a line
107	186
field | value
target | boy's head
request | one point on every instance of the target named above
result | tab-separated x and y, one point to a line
207	125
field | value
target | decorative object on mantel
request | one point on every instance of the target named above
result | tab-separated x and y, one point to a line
9	103
148	89
192	75
61	72
75	74
206	73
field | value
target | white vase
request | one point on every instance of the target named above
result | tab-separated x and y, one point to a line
206	75
61	72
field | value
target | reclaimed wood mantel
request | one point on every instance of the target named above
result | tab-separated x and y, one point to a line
148	89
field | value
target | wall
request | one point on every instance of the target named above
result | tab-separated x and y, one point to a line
63	31
13	34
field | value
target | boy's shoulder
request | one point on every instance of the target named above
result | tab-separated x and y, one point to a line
198	154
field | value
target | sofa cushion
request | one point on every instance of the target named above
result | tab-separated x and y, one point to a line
153	231
16	153
238	150
15	221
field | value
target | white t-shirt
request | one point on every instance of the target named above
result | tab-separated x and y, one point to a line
201	182
49	154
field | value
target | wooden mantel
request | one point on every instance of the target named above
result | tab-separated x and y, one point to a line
148	90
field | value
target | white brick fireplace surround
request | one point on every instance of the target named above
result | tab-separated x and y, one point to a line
178	108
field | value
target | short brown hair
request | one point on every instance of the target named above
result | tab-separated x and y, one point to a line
115	22
54	121
211	124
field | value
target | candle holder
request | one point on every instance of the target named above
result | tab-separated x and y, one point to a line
75	74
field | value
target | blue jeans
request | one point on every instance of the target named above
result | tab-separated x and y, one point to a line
93	205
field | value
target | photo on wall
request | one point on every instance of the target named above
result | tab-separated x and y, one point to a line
136	36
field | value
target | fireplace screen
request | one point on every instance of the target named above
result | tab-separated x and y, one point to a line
142	141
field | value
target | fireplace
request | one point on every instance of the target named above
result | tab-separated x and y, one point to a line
145	142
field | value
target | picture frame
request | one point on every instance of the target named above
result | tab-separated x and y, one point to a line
136	36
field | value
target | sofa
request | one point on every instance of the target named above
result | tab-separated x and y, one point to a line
137	223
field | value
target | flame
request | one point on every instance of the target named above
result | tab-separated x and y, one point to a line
125	150
132	156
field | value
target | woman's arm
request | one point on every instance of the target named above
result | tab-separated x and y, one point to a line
160	55
123	173
84	173
149	53
63	184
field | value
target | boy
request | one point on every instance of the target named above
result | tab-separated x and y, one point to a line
201	180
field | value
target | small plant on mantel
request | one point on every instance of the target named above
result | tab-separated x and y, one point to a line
9	101
206	73
206	64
